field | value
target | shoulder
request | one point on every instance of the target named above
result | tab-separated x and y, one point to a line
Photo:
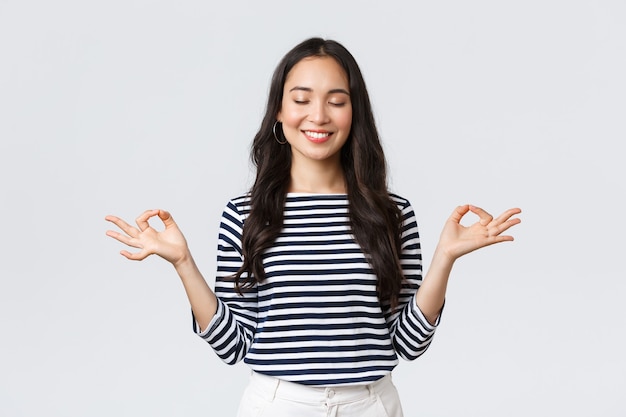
241	200
400	201
238	206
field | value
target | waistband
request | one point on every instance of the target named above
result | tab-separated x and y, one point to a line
271	387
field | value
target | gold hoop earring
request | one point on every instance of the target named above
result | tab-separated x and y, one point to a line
276	136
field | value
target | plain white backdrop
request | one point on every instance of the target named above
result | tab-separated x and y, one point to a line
120	106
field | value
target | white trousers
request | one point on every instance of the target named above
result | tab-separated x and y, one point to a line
266	396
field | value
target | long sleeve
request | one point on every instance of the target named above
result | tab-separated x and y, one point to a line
231	331
410	331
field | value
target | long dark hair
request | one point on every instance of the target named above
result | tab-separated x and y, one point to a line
375	218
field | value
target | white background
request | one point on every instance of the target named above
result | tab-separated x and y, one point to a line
114	107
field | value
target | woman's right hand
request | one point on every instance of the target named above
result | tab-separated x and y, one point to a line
169	244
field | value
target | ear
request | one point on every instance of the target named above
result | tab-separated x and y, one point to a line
278	117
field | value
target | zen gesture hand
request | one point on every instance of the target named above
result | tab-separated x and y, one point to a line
170	244
457	240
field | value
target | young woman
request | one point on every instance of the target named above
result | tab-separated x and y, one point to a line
319	283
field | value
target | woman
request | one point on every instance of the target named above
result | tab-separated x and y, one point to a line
319	286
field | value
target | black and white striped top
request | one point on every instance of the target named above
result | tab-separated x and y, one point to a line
316	319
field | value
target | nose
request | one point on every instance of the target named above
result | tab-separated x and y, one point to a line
319	113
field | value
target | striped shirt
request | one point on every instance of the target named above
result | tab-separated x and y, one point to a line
316	318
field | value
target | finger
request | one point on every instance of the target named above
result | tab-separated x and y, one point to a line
129	241
504	221
508	214
503	238
142	221
127	228
497	229
484	217
458	213
139	256
508	224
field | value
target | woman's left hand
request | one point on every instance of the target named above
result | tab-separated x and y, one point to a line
457	240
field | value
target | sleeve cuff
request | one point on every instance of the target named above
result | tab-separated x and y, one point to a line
419	315
214	323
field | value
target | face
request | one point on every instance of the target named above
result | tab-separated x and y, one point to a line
316	110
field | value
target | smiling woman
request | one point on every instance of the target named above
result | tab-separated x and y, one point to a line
319	284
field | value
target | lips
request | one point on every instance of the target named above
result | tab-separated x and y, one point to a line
317	136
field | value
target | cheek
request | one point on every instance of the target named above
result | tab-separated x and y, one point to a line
290	115
344	120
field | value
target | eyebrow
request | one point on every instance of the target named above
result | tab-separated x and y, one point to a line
310	90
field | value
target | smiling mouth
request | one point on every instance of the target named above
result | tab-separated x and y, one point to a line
317	136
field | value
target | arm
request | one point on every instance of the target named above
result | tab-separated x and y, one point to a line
226	320
457	240
231	331
169	244
411	333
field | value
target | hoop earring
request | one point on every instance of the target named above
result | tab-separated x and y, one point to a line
276	136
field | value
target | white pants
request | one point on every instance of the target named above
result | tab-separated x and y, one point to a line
266	396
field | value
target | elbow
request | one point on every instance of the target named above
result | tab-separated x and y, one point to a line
412	354
410	350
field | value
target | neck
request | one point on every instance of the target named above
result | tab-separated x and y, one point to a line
319	177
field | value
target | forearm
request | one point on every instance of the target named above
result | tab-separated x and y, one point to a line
432	292
201	298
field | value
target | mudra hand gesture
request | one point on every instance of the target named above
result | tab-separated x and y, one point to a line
457	240
169	244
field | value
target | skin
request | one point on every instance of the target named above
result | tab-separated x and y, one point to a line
316	99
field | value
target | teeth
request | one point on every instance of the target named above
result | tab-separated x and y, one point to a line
317	135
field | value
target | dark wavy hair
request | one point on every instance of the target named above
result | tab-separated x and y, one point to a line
374	217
